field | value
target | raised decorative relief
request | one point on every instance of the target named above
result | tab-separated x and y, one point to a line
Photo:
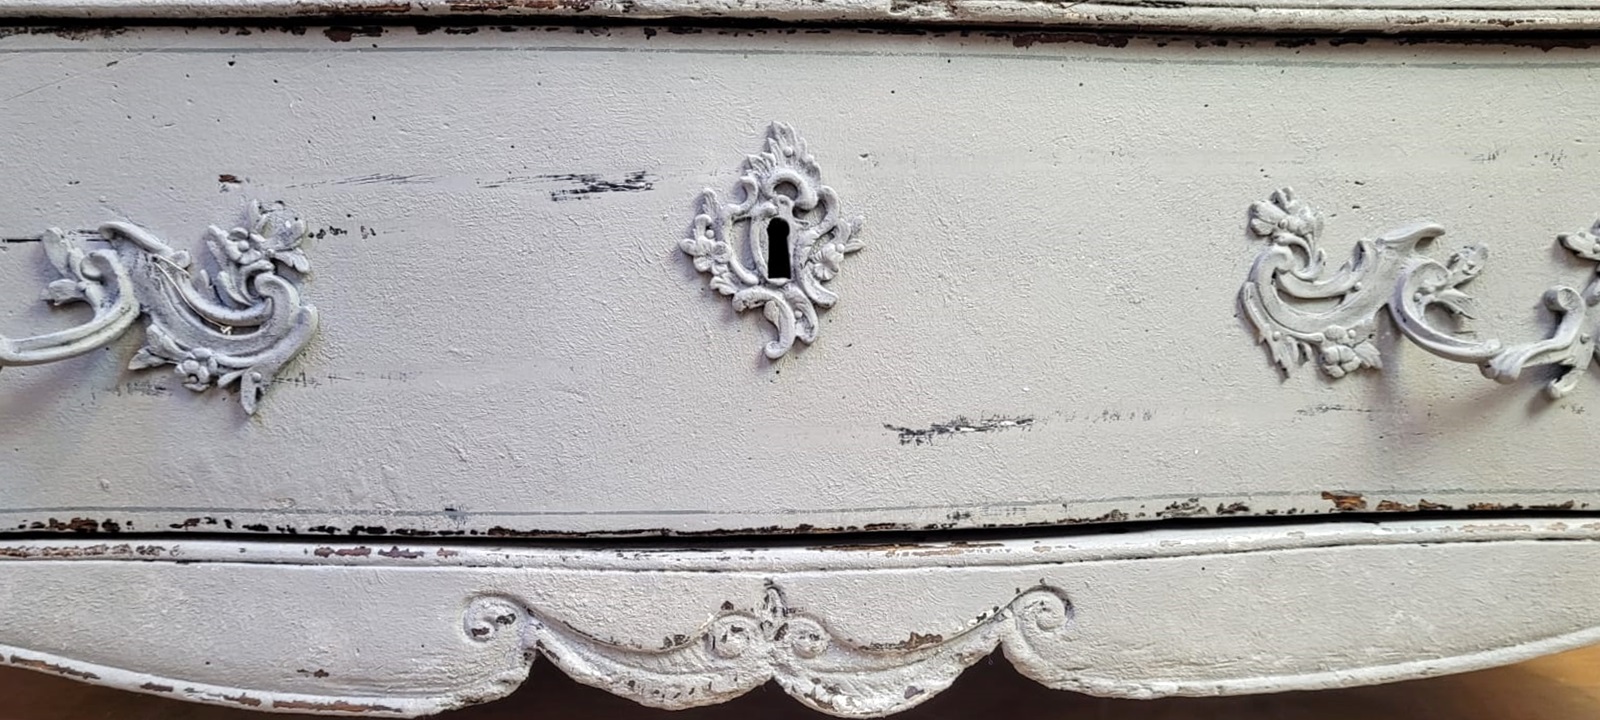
1286	300
239	325
739	650
779	243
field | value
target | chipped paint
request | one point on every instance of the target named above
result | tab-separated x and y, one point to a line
1345	501
334	706
26	552
77	524
585	186
1183	509
1496	528
343	34
1188	509
498	6
396	552
910	549
325	551
1422	505
959	426
913	641
1030	39
54	668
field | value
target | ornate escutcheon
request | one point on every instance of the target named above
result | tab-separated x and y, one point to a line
239	325
776	246
1291	274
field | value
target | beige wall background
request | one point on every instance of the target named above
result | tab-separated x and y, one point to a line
1560	687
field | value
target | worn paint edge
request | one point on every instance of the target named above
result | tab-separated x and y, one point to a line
268	701
1283	17
1331	679
1059	548
674	525
271	701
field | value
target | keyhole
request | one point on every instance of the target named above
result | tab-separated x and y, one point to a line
778	249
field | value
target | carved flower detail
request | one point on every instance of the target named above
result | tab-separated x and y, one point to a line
827	258
197	368
273	236
1347	350
1284	214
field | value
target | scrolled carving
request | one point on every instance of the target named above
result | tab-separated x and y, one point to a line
1292	274
777	246
738	650
238	325
487	616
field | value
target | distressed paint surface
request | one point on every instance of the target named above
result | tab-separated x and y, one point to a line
512	342
849	630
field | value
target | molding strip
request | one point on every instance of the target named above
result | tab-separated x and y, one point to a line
1385	17
849	630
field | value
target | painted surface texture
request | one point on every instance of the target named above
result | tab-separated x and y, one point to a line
1045	328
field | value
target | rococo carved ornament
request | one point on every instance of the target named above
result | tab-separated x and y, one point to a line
1291	274
239	325
738	650
776	246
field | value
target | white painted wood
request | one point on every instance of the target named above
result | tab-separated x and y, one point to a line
1055	238
1366	16
413	628
530	318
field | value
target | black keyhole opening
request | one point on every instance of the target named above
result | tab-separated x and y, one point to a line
778	249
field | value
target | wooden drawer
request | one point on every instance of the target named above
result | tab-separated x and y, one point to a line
478	286
1043	325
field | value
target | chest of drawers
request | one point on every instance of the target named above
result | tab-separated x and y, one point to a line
696	345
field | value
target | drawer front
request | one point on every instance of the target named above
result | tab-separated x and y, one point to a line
1038	317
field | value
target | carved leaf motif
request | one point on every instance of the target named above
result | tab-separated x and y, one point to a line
1368	354
61	292
1583	244
146	359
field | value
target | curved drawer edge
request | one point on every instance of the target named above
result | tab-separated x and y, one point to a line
854	631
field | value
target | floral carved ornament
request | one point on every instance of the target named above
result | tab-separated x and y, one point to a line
237	325
1291	276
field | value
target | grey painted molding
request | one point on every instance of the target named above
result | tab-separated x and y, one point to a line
776	246
239	325
848	629
1367	16
1390	271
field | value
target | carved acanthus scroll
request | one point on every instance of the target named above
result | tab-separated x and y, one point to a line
1291	274
779	243
240	325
